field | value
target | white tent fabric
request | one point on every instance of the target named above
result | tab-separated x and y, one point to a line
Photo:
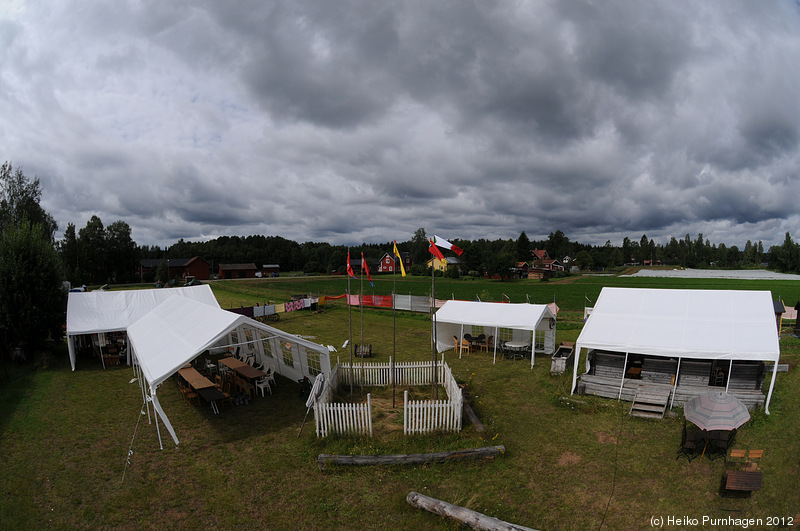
179	329
112	311
455	318
687	324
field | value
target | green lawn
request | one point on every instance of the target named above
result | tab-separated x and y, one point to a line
571	462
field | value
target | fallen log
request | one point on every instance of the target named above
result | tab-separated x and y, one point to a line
473	417
489	452
473	519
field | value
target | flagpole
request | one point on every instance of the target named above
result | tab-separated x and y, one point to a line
350	324
361	302
394	328
433	323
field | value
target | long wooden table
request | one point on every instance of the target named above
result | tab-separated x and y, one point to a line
203	386
195	379
242	368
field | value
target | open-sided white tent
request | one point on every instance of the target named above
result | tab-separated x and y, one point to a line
684	324
180	329
455	318
97	312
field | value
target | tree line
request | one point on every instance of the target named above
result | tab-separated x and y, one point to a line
33	265
99	255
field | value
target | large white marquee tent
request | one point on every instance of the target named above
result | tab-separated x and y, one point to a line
97	312
684	324
180	329
455	318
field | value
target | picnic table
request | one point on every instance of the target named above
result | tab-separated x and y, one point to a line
242	368
203	386
743	480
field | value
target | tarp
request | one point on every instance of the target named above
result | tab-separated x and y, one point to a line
113	311
179	329
456	318
687	324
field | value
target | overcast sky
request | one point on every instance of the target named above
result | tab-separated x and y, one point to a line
352	122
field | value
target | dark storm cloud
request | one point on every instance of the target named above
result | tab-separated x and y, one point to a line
362	121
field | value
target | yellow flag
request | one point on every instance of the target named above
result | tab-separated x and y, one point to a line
400	258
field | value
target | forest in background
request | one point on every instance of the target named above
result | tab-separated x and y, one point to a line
97	254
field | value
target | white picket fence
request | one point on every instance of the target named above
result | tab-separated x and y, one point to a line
421	416
424	416
381	374
343	418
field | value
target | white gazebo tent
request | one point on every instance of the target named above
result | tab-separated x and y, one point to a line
97	312
684	324
180	329
455	318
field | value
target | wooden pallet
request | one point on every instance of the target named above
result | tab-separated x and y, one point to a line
650	402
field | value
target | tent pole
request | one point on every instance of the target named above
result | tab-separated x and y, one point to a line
533	346
496	339
728	382
771	385
157	408
460	339
622	382
575	368
675	385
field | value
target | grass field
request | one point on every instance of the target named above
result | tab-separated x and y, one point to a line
571	462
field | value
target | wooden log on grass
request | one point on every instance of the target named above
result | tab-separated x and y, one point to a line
465	516
489	452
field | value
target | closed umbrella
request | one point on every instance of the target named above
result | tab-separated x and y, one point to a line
716	410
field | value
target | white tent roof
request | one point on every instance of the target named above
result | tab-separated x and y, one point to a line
179	329
686	324
705	324
108	311
174	333
493	314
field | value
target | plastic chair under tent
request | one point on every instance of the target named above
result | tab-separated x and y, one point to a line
211	367
250	360
270	377
263	383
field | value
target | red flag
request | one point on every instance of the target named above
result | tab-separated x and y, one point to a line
366	269
349	267
436	252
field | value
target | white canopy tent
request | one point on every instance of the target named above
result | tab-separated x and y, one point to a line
683	324
98	312
180	329
522	322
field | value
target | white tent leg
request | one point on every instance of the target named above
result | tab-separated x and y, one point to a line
622	382
675	385
71	348
771	385
575	368
730	369
533	347
460	341
496	339
160	413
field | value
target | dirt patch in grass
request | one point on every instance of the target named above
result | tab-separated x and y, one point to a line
568	458
604	438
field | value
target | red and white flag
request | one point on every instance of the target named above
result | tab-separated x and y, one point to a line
441	242
436	252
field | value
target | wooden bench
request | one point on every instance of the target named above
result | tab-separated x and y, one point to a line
743	480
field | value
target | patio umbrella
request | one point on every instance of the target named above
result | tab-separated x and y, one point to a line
716	410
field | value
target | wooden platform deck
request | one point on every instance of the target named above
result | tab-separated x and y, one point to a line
609	388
